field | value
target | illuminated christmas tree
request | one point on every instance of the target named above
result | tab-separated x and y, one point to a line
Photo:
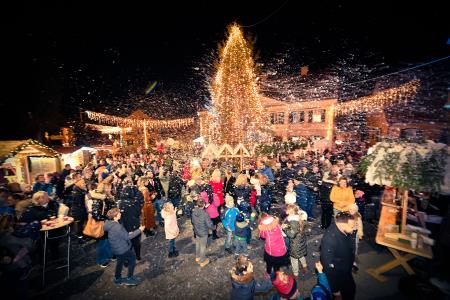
236	103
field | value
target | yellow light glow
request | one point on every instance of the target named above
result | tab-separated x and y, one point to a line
130	122
239	116
379	100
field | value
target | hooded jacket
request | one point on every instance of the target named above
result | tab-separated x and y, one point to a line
130	205
201	222
270	231
244	286
118	237
229	218
296	237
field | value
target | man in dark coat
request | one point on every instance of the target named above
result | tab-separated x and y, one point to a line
130	204
286	173
337	254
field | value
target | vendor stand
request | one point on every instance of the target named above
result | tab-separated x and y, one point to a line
404	167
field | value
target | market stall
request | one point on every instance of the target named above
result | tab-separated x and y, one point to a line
405	168
27	158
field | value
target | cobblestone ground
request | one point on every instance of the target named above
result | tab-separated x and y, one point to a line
183	278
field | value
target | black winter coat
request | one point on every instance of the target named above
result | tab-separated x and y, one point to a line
39	213
287	174
229	185
130	204
297	239
242	191
337	254
156	188
175	187
100	209
78	206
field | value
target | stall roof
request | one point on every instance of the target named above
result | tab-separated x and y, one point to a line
11	148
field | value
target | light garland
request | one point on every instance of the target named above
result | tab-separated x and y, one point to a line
131	122
237	109
108	129
25	144
379	100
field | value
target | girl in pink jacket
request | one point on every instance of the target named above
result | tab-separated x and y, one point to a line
275	251
213	211
170	227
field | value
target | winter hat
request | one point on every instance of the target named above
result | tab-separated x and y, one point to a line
240	218
267	220
229	201
285	289
290	198
303	215
245	207
317	293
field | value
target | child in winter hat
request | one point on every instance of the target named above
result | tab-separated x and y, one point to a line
243	283
286	285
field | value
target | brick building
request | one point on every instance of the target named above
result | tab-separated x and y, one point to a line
290	119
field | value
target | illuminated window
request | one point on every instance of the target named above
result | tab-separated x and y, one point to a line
318	116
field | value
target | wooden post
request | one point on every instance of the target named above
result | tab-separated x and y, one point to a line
404	210
123	135
145	136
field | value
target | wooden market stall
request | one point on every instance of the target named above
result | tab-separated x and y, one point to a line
405	168
27	158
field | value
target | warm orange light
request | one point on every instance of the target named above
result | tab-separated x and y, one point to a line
237	109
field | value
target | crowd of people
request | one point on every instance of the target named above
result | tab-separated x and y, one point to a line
271	200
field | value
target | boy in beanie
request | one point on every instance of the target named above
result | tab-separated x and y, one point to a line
228	222
243	283
240	235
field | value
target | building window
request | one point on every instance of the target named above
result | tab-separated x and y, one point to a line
310	116
318	116
297	117
277	118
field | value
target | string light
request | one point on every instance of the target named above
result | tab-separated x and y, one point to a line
237	112
379	100
132	122
27	143
108	129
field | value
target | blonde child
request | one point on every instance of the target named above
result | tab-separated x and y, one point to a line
170	227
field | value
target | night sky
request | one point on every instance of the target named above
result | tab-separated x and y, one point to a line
68	57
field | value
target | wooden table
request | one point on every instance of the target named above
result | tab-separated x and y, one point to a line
388	216
58	223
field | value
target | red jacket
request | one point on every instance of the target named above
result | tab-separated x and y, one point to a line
253	198
218	190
